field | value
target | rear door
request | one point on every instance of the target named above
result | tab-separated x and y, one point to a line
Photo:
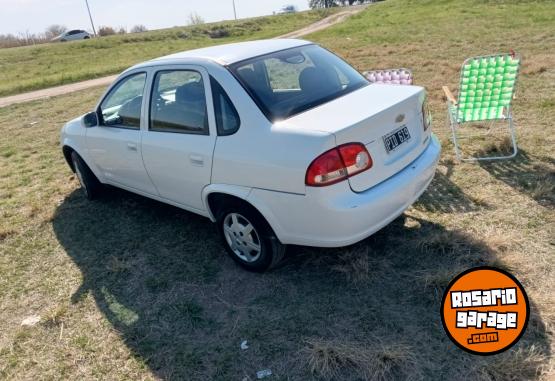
114	145
178	145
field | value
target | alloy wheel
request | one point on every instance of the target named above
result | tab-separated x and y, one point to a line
242	237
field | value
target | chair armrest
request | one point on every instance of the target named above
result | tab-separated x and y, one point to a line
449	95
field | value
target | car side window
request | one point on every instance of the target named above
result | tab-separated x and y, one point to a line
178	103
227	117
122	106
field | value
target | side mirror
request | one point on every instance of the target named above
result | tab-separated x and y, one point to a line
90	119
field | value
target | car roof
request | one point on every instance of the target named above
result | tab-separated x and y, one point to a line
231	53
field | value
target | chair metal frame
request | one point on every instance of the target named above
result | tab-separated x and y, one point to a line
455	123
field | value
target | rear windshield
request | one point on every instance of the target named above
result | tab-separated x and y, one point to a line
291	81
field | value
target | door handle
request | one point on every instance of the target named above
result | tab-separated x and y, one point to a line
196	160
131	146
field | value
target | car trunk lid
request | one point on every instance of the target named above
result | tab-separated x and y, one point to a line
387	119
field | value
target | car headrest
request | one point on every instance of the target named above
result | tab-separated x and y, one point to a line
131	107
190	92
317	80
130	111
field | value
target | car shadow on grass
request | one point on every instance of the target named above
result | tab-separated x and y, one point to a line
162	279
444	196
531	175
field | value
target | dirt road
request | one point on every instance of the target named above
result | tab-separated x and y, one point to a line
325	23
104	81
58	90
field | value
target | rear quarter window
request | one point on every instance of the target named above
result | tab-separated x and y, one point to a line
227	117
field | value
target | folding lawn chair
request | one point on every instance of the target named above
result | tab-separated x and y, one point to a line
486	89
390	76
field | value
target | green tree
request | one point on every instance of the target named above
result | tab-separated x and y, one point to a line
322	3
139	28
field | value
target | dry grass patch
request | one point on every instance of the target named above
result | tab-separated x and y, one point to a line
374	360
543	186
518	365
55	315
438	281
357	263
6	233
354	264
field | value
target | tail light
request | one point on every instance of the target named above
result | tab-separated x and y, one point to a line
426	115
338	164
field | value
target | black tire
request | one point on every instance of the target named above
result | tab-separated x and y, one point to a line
89	183
86	38
272	250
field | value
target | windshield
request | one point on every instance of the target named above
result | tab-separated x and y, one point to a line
291	81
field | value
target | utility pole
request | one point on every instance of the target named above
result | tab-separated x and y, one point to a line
90	17
234	10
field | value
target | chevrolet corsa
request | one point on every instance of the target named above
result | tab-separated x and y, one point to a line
279	142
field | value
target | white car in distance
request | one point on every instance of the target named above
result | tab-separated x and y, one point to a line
286	9
72	35
279	142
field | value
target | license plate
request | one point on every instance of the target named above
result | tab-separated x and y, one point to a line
393	140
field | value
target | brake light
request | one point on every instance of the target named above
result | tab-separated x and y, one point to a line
426	115
338	164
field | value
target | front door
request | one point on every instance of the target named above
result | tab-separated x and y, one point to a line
178	145
114	145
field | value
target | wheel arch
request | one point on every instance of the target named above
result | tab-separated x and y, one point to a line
70	145
67	150
214	194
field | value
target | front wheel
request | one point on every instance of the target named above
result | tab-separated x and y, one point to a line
89	183
248	238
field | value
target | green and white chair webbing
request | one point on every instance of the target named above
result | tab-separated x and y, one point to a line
486	87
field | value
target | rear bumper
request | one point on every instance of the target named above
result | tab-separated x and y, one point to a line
335	216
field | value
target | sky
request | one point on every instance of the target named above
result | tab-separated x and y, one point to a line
20	16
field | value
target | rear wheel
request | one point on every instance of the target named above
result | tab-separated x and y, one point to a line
89	183
248	238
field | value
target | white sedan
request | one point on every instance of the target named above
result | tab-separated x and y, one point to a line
72	35
286	9
279	142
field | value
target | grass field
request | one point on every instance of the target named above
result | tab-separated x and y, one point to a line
128	288
37	67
